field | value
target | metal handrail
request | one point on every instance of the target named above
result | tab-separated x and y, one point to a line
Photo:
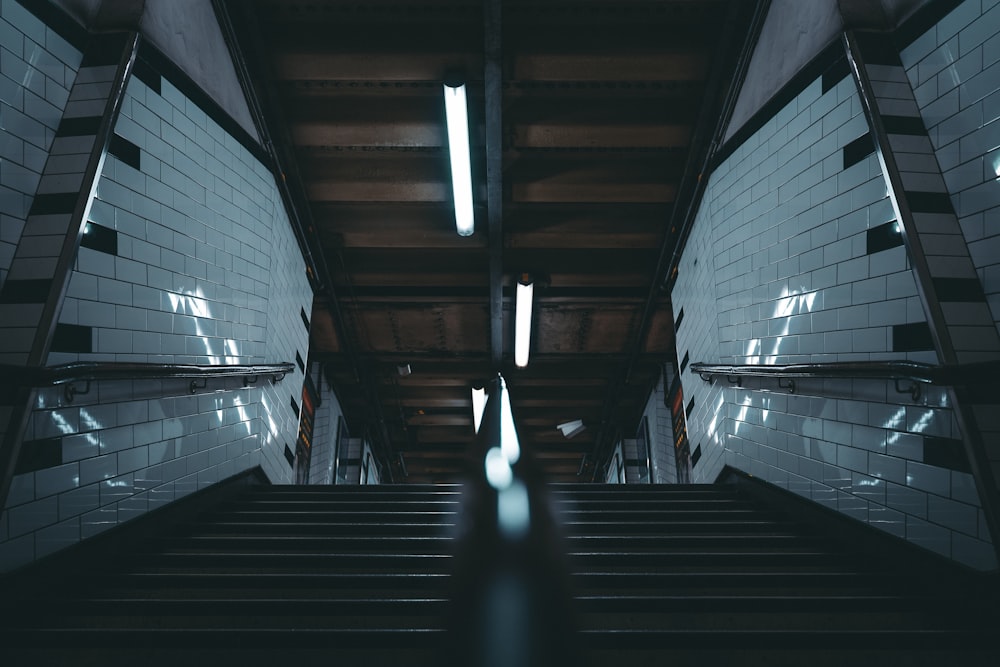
915	372
92	371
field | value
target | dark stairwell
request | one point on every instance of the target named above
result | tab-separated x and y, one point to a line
680	575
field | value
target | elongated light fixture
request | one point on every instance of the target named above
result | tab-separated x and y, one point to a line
457	113
509	444
522	323
478	405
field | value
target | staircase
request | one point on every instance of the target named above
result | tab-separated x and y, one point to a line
678	575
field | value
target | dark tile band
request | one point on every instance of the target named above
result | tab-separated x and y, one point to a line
73	338
54	204
877	48
858	150
911	125
38	455
914	337
100	238
78	127
963	290
884	237
26	291
945	453
929	202
125	150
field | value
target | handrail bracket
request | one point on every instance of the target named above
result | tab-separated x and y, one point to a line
70	391
913	390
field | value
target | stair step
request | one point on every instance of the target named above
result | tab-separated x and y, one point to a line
311	562
705	580
894	640
704	559
807	618
334	517
329	639
685	575
763	539
390	581
349	504
300	528
652	504
357	494
665	495
831	600
599	527
316	543
198	606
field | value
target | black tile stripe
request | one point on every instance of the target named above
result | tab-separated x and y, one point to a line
100	238
289	456
929	202
858	150
828	59
305	318
53	204
26	291
923	20
911	125
696	456
78	127
160	63
677	322
298	360
148	67
124	150
73	338
966	290
685	360
945	453
915	337
690	407
877	48
59	21
149	76
884	237
104	49
295	406
38	455
834	74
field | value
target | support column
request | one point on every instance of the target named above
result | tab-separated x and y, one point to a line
958	314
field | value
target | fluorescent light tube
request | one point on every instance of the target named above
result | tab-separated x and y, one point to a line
456	111
478	404
522	324
509	444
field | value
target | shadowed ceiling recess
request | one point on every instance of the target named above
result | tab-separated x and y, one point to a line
587	124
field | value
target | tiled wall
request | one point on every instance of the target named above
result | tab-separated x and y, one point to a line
954	69
37	69
328	415
121	450
661	438
193	258
794	257
188	258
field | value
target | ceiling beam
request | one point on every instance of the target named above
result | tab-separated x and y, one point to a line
493	79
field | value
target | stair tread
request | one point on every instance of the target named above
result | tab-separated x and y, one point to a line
653	569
